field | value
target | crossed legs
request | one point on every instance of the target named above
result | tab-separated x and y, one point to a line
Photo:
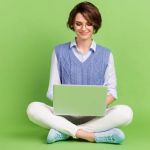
43	115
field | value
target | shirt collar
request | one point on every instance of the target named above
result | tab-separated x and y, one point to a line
92	47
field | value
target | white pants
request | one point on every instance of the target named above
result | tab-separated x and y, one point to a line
43	115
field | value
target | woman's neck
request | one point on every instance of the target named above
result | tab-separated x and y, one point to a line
83	45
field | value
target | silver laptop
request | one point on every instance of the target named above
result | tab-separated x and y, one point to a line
79	100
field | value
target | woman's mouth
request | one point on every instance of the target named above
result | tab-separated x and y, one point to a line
84	33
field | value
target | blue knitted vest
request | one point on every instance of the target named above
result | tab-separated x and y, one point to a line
89	72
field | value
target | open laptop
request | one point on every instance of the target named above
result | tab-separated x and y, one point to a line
79	100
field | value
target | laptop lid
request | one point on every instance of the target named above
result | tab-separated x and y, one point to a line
79	100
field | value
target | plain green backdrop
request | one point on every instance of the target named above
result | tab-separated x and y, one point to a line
29	30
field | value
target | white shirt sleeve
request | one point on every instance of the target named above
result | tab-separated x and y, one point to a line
54	76
110	77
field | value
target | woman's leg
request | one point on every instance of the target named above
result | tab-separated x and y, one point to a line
115	116
43	115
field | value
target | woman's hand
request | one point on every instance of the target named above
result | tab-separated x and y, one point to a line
109	99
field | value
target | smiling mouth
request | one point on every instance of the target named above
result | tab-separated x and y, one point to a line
84	33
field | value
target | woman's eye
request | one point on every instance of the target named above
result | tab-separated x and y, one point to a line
89	24
78	24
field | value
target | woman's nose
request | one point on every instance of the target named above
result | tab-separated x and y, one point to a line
83	27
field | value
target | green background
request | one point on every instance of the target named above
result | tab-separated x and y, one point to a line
29	29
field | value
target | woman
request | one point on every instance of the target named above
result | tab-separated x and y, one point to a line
85	20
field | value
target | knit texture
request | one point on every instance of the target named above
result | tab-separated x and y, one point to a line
89	72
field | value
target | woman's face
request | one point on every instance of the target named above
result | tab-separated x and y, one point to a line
83	29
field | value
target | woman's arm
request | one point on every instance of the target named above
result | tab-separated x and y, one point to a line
54	76
110	81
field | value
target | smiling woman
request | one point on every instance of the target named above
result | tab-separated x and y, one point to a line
96	68
89	12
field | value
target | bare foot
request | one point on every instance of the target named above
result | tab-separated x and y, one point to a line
82	134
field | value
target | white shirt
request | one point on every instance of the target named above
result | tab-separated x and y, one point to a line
110	75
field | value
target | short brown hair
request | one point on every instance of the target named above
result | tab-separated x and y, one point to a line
89	11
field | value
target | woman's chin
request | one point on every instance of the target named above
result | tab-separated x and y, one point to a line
84	37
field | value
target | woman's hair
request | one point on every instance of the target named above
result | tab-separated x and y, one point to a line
89	11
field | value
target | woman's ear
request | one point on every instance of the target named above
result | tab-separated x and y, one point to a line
72	27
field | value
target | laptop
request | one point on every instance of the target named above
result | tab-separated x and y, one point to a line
79	100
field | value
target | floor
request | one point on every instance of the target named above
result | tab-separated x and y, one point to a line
31	137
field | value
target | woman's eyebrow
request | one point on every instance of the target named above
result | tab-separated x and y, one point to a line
78	21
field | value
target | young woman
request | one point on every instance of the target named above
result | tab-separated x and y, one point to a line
69	61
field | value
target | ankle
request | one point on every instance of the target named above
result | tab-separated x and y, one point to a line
82	134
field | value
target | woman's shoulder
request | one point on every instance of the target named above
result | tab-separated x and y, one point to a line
103	50
62	46
62	49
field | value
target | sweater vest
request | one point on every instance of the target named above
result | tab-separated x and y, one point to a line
90	72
